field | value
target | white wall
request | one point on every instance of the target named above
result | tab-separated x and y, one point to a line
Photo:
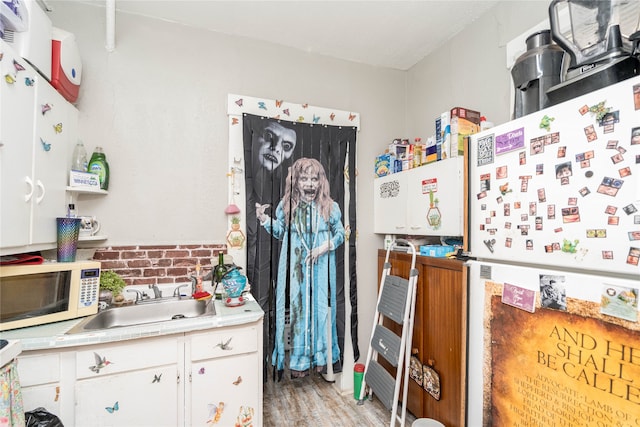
157	105
470	70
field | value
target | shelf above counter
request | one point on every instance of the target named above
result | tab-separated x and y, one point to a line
86	190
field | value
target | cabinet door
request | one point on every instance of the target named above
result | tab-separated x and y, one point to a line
225	391
42	396
225	377
40	381
55	133
435	199
16	145
390	204
148	397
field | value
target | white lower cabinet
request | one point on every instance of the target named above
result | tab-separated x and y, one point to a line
226	379
191	379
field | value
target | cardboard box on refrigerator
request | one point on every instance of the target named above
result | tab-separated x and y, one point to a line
464	122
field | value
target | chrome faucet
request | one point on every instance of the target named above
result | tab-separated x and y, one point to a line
156	291
176	291
140	296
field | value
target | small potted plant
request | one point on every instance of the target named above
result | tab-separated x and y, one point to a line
111	285
235	223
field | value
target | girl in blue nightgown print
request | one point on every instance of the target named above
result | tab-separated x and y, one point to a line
309	224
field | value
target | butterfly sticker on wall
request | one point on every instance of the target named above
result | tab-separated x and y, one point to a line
262	105
9	79
278	103
239	102
286	111
351	117
215	412
316	119
45	145
28	81
45	108
57	128
112	409
332	116
234	121
156	378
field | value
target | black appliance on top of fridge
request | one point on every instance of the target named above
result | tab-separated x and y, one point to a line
601	40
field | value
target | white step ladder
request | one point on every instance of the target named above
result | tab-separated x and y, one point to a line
396	301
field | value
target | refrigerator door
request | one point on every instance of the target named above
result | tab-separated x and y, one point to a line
559	187
597	301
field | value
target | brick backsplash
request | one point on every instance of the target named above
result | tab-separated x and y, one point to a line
156	265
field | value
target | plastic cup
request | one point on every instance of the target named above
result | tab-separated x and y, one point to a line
68	230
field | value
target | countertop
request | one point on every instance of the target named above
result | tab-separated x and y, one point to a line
54	335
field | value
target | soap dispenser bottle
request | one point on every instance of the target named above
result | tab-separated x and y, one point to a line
99	166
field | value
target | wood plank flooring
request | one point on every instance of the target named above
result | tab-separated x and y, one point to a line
312	401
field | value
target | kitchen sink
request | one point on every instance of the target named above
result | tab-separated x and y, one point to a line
149	312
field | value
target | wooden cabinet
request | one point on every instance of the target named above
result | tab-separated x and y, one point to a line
439	333
422	201
37	127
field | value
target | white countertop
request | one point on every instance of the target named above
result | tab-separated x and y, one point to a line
54	335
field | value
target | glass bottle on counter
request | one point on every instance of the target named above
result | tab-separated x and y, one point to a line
218	273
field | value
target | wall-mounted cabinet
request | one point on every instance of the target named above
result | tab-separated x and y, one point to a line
424	201
37	127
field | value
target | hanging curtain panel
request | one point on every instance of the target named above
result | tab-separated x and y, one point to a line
297	205
297	198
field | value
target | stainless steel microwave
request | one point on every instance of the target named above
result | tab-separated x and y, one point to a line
32	295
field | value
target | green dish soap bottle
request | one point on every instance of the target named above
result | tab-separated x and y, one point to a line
99	166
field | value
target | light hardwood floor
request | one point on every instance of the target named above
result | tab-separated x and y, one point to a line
312	401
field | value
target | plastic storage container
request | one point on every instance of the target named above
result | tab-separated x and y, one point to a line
79	159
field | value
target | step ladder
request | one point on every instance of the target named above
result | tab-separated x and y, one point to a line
396	301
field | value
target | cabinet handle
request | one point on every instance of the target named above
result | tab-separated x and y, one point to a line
178	378
27	197
40	186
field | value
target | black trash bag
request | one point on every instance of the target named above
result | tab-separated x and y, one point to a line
40	417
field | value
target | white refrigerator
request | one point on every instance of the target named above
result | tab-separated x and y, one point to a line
554	223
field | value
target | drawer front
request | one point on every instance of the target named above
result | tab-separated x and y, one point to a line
38	369
225	342
121	357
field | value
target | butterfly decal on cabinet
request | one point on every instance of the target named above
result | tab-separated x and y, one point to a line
57	128
278	103
45	145
201	371
239	102
262	105
351	117
45	108
316	119
215	412
101	363
156	378
332	116
225	345
300	119
286	111
9	79
28	81
234	120
238	381
112	409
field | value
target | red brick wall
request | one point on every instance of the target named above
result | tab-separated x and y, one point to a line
156	265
